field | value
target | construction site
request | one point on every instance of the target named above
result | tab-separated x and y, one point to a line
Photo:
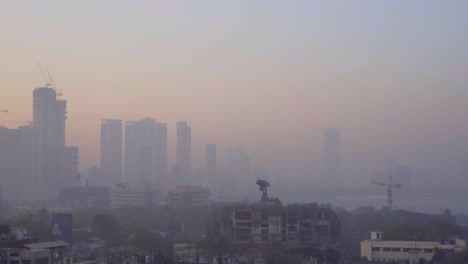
247	232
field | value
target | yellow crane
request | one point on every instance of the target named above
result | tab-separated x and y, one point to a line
390	187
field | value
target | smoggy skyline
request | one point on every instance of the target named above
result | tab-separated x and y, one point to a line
270	76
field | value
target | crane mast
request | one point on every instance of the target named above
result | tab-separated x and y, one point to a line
390	187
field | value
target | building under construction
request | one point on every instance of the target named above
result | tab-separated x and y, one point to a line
268	221
306	224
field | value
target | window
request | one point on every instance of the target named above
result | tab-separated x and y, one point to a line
406	249
387	249
375	248
396	249
428	250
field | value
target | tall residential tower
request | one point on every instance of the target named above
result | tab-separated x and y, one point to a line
52	162
146	152
111	151
184	149
332	155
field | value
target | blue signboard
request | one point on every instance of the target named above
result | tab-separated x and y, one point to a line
62	224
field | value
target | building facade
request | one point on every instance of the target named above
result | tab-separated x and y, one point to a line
183	167
15	162
146	152
376	249
332	155
308	224
210	166
122	195
111	151
51	161
188	196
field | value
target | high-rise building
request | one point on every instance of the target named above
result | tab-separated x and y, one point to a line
49	115
332	155
111	151
210	157
184	149
210	165
48	143
238	169
15	161
145	152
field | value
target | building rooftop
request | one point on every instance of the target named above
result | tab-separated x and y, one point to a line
49	244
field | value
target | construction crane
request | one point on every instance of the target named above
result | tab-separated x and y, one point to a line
390	187
49	81
263	187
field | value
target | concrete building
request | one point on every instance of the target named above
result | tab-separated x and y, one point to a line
59	251
122	195
376	249
145	152
182	170
237	172
210	166
332	155
111	151
309	224
189	196
15	162
48	141
23	256
84	197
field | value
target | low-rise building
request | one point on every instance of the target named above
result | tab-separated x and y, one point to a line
189	195
21	255
59	251
376	249
123	195
84	197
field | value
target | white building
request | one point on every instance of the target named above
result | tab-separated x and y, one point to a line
376	249
122	195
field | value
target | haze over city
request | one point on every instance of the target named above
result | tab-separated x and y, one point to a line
271	77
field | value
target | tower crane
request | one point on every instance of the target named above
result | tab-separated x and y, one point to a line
390	187
263	187
49	81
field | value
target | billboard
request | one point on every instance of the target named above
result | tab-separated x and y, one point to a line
62	224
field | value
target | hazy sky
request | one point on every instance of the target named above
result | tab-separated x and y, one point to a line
269	75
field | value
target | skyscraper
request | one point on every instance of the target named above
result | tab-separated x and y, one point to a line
210	157
210	166
48	142
15	160
111	151
184	149
145	152
49	115
332	155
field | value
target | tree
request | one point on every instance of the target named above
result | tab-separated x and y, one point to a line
38	223
439	256
104	225
460	258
